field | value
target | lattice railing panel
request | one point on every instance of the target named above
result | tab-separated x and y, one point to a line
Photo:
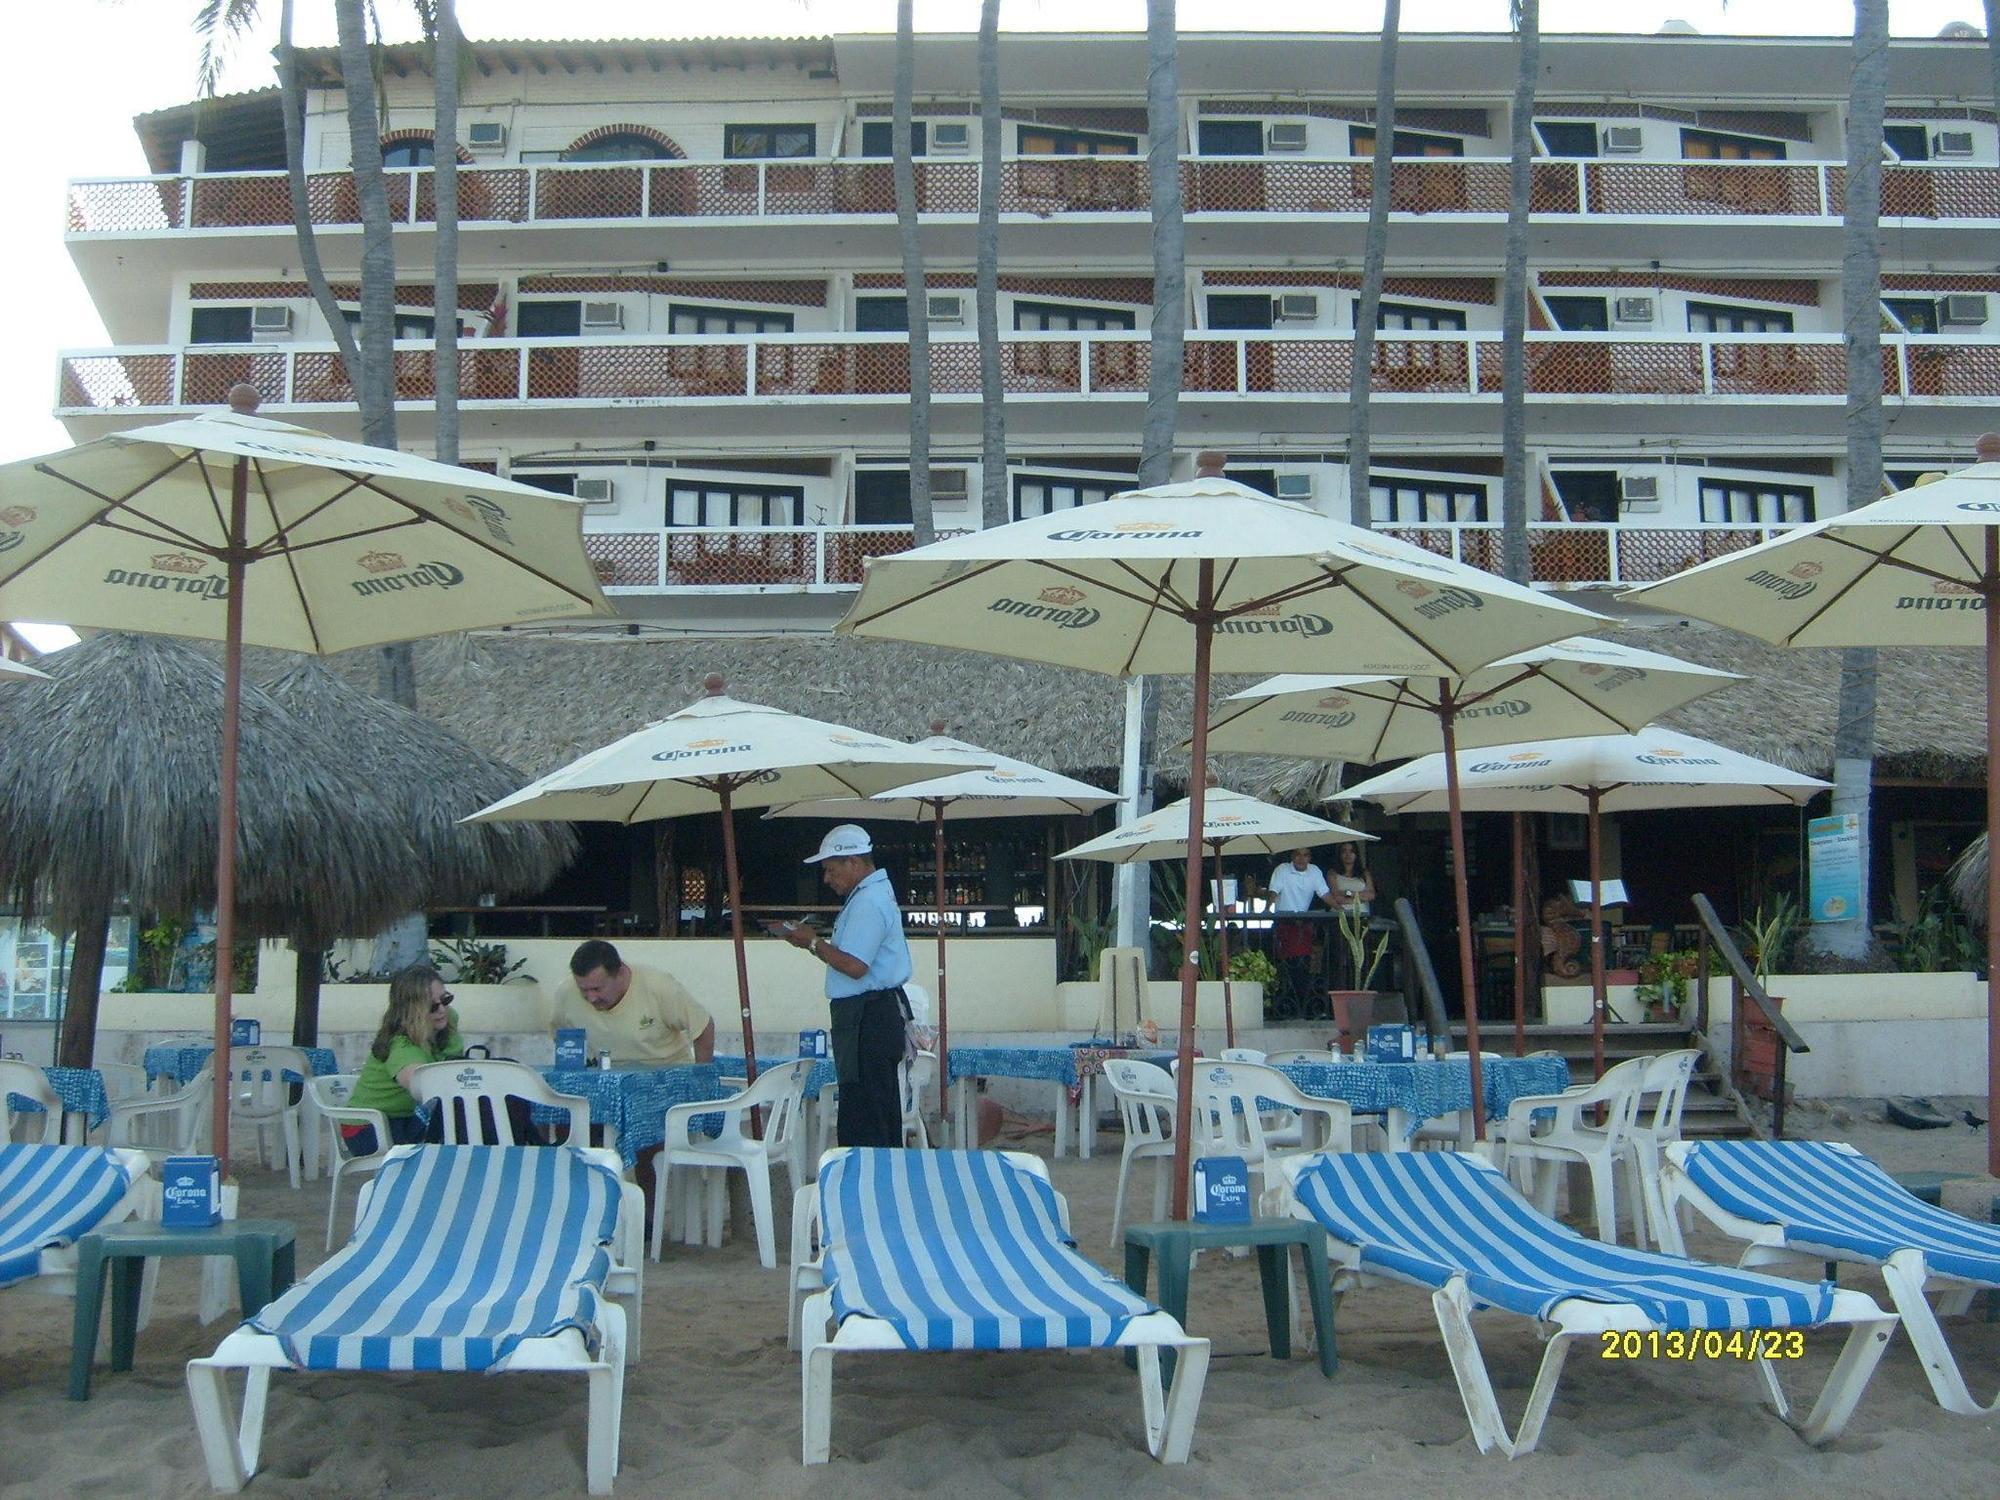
1026	368
1431	538
624	559
1209	366
1298	366
125	207
105	381
845	550
229	202
1582	556
1074	184
611	192
319	377
1630	187
1419	367
1646	554
1778	369
740	557
834	370
605	372
1589	369
1926	192
496	195
1121	367
206	378
1944	370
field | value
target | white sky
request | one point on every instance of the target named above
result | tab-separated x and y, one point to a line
118	58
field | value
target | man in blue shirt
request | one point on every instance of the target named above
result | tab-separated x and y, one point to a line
867	963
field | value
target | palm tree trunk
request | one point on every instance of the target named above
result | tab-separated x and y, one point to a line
914	289
444	196
77	1045
376	390
994	509
1374	258
306	980
1861	321
1514	302
1163	174
291	102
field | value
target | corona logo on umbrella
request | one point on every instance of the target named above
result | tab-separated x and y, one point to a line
1806	570
381	562
186	564
1062	594
1411	588
14	517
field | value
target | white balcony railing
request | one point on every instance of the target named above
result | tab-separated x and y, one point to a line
1037	187
862	367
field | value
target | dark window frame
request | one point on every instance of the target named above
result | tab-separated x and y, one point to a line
880	306
1246	299
1717	493
1081	490
1757	144
215	332
1405	145
1919	134
1559	303
743	498
1905	307
1078	314
1425	493
779	322
1202	126
523	316
1570	130
1058	136
1414	315
886	129
1733	312
738	141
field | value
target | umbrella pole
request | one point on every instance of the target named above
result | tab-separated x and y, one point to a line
1597	996
1992	591
1204	640
1520	935
937	847
225	839
736	932
1222	923
1468	976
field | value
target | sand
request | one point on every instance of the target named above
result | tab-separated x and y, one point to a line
714	1407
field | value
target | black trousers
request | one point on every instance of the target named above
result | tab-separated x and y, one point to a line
867	1045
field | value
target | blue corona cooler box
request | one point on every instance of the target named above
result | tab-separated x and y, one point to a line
1393	1043
191	1195
571	1047
1222	1190
246	1033
813	1044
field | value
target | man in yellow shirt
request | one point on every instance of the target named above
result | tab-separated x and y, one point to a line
635	1014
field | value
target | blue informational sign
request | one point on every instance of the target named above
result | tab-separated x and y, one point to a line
1392	1043
1833	867
1222	1190
191	1192
245	1032
570	1047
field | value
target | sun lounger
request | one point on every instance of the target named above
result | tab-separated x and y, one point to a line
488	1258
1452	1223
51	1195
1826	1201
923	1250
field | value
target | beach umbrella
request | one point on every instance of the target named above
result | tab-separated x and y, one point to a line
717	755
1231	823
1201	577
20	671
1572	687
1593	775
1920	568
1005	788
232	528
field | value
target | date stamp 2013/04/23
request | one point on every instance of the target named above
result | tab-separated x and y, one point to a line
1703	1343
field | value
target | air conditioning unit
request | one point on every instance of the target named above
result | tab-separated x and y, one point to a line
950	137
944	307
1298	307
1295	486
1285	135
271	318
1952	143
603	315
1633	309
597	492
950	486
1622	140
1962	310
1639	491
485	135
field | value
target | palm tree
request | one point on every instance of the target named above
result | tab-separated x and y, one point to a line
1514	300
441	24
1373	258
1861	322
993	507
914	291
1163	174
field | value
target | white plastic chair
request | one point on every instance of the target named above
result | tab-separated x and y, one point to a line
1145	1095
330	1094
1653	1130
164	1125
1227	1121
260	1097
915	1078
31	1083
1281	1127
690	1166
472	1101
1568	1138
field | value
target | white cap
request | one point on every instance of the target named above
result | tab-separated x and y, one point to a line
842	842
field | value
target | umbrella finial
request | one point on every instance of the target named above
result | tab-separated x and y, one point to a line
243	399
1208	465
1987	447
937	726
712	684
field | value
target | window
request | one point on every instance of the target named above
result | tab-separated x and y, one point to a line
407	325
548	320
1062	317
881	315
1751	502
1568	137
881	497
1239	310
685	318
219	325
1401	501
878	138
1039	494
1412	317
555	484
769	140
409	153
624	145
1909	142
701	502
1916	314
1361	142
1713	145
1579	314
1588	494
1724	317
1229	138
1263	481
1039	140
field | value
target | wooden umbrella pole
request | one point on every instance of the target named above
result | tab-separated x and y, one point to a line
943	1046
1991	588
225	836
1204	640
1520	934
1468	976
1597	996
722	789
1222	925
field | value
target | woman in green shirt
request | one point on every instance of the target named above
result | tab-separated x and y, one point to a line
419	1027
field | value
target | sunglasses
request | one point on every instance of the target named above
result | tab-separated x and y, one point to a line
443	1000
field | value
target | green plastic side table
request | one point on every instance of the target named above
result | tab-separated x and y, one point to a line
1175	1245
262	1249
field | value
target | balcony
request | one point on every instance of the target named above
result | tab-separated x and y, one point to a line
1423	382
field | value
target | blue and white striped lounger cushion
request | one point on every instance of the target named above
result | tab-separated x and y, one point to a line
48	1196
1830	1199
464	1252
1428	1216
962	1250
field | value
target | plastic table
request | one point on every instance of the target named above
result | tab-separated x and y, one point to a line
86	1104
262	1249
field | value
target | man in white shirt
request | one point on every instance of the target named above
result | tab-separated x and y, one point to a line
1294	887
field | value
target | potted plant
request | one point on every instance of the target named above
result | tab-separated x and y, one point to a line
1768	936
1663	984
1354	1010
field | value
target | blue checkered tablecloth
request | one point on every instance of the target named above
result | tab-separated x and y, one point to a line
822	1076
1047	1064
181	1063
1430	1089
634	1101
81	1091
